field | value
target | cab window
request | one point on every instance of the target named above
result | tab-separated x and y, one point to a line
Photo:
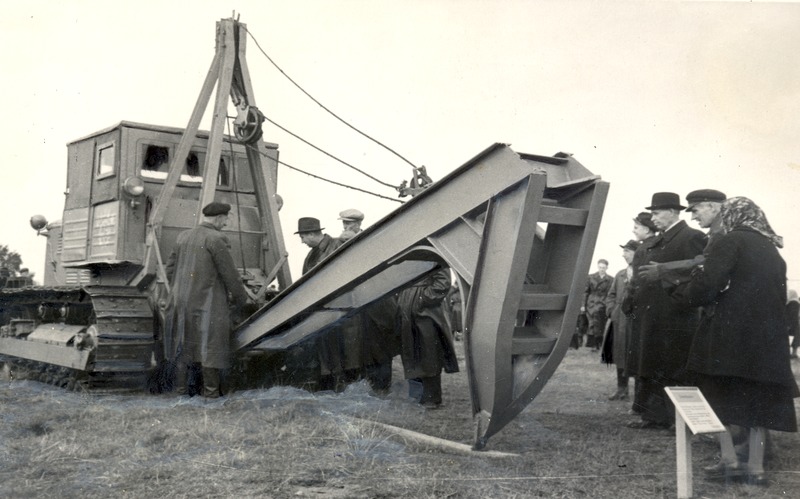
105	160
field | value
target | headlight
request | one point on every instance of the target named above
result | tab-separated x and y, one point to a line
134	186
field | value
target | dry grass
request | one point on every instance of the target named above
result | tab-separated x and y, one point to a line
285	442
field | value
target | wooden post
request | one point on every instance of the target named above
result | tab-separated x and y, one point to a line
693	415
683	454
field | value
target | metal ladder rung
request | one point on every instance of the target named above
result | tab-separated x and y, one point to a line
532	346
542	301
560	215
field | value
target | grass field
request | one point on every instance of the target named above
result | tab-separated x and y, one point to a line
283	442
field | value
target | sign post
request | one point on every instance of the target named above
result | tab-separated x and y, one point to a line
692	414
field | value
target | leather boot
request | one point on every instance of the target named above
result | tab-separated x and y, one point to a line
431	392
211	383
620	394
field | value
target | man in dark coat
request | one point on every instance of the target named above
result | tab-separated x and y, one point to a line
202	276
663	326
594	303
705	206
351	331
615	346
644	231
426	337
321	244
324	367
380	342
367	341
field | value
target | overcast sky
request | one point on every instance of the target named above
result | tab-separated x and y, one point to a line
652	96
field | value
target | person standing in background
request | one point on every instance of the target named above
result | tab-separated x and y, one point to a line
615	339
427	346
594	305
644	232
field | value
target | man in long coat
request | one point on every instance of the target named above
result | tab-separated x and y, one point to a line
301	361
594	303
369	340
202	276
426	339
617	326
664	327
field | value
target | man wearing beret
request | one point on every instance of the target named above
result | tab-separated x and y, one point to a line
202	276
663	327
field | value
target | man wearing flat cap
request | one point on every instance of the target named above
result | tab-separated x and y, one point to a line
663	327
202	275
369	340
351	223
705	205
351	334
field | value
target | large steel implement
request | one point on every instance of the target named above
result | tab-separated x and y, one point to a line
518	230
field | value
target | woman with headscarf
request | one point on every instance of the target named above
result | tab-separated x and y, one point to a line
739	354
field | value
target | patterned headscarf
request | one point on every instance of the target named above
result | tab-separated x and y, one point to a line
741	212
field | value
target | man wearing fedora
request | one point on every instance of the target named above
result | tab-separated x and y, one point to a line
705	206
663	327
316	361
321	244
202	275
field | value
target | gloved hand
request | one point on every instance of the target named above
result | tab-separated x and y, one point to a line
650	272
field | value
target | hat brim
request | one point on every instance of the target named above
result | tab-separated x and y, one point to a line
310	230
695	203
666	207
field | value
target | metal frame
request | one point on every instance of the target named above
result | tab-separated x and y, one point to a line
229	73
485	221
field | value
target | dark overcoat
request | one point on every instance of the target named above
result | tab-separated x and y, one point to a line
640	256
594	296
381	340
618	327
426	336
664	325
197	318
743	333
329	345
315	255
